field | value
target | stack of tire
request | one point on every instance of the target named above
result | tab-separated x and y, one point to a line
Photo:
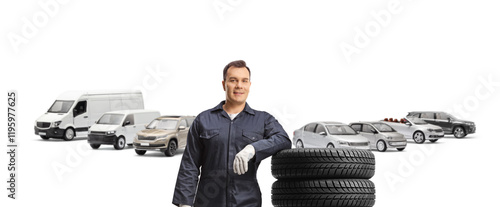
323	177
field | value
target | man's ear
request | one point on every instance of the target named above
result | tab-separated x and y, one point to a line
224	85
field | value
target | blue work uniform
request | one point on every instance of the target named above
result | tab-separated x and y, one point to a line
213	141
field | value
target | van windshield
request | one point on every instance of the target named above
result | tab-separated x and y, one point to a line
167	124
111	119
60	106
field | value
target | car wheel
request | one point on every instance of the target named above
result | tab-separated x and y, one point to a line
69	134
172	147
299	144
322	163
330	146
323	192
44	137
95	146
419	137
401	149
120	143
433	140
459	132
140	152
381	146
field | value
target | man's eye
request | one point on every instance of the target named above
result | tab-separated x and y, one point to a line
232	81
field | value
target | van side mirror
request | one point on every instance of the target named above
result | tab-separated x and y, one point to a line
126	123
181	128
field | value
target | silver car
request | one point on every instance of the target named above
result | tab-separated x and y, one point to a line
417	129
329	135
380	135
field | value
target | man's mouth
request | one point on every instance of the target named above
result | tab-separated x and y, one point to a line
238	93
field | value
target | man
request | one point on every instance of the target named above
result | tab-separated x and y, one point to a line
228	142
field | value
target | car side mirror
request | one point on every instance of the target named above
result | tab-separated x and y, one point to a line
449	119
408	123
374	131
322	133
181	128
126	123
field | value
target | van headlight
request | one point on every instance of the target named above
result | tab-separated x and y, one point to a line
57	123
110	132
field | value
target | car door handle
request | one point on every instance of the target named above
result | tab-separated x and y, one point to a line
86	117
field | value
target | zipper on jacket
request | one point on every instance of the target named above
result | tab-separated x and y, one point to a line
227	163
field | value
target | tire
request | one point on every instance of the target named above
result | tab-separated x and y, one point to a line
419	137
330	146
324	163
171	149
120	143
459	132
95	146
299	144
433	140
381	146
401	149
69	134
323	192
140	152
44	137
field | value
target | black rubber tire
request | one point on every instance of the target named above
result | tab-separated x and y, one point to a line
120	143
44	137
69	134
323	192
459	132
317	163
433	140
401	149
140	152
171	149
95	146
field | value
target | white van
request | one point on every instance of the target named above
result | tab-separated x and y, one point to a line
119	127
73	112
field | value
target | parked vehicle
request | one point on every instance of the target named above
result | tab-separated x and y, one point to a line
73	112
118	128
416	129
329	135
380	135
165	133
450	124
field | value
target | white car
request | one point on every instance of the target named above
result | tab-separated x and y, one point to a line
329	135
416	129
380	135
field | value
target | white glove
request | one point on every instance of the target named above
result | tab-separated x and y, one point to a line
182	205
240	164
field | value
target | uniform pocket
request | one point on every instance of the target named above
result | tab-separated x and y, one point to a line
251	136
209	134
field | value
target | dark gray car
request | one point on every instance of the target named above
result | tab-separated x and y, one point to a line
450	124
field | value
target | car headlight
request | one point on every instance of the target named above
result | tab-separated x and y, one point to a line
470	123
56	124
110	132
389	137
431	130
342	143
162	138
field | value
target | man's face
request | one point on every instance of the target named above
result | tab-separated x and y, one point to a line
237	85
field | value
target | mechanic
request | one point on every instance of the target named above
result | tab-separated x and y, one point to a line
228	143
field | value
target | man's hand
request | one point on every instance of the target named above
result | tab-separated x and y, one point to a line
240	164
182	205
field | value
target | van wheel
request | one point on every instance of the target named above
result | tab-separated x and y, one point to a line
120	143
95	146
418	137
69	134
172	147
44	137
140	152
459	132
401	149
381	146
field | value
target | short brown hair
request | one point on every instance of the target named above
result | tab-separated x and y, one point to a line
236	64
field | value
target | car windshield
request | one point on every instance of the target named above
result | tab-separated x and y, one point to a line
167	124
383	127
340	130
60	106
111	119
417	121
451	116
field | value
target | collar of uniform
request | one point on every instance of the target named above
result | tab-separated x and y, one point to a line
246	109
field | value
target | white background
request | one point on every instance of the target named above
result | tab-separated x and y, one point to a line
427	55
